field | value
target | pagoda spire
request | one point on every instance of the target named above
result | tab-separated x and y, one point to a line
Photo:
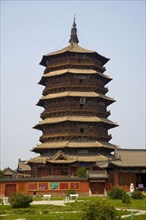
73	35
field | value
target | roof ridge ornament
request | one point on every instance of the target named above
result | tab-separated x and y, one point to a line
73	35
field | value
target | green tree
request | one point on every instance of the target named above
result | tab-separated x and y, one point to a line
81	172
19	200
1	174
90	213
100	211
137	195
116	193
125	198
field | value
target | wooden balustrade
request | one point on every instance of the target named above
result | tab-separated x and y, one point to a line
68	86
92	135
62	83
73	61
75	111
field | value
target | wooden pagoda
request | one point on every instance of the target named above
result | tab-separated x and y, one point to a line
74	122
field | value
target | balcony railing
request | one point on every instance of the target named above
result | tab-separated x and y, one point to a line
71	110
94	136
61	87
74	60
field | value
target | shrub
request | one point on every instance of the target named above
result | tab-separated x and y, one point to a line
137	195
81	172
20	200
125	198
100	211
90	213
116	193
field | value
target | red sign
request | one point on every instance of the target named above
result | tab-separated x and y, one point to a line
64	185
74	185
43	186
31	186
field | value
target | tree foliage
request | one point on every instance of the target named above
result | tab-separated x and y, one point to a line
19	200
137	195
100	211
116	193
125	198
81	172
1	174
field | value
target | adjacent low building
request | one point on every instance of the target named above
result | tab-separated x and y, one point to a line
23	169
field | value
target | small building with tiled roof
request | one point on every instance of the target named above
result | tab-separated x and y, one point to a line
128	167
9	173
23	169
130	158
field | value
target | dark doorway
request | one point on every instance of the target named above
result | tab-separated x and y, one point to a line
141	181
10	188
97	187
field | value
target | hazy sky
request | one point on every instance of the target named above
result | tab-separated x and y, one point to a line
30	29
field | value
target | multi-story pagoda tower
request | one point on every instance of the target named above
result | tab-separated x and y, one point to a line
75	120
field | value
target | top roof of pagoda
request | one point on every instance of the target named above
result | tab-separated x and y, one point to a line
73	48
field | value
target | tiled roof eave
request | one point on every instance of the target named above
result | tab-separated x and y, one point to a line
66	146
85	119
76	94
75	71
98	177
129	165
61	161
75	48
130	158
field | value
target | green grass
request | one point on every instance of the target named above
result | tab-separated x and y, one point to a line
43	212
68	212
135	203
49	216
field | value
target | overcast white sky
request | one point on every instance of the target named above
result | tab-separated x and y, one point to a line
30	29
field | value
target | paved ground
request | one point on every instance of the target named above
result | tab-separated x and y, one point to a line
49	202
53	202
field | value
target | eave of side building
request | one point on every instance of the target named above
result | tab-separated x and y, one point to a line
130	158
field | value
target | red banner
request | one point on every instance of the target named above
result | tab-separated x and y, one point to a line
43	186
31	186
74	185
64	185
